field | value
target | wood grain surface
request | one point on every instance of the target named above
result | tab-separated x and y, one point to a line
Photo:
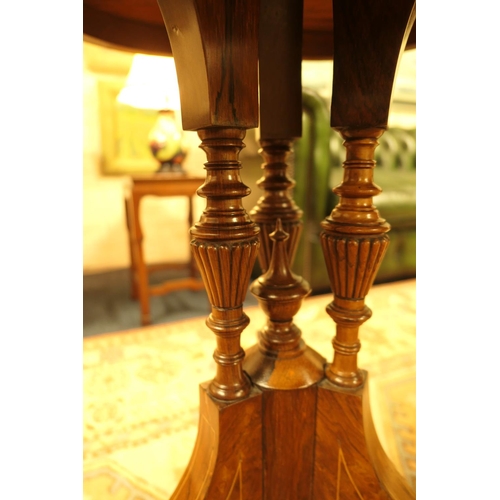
279	422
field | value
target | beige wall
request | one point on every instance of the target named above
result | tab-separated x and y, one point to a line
104	228
164	220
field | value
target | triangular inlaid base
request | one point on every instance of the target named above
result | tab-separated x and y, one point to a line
317	443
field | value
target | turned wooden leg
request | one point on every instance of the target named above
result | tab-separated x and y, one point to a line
281	350
276	202
141	277
349	460
225	244
134	293
215	50
227	459
281	363
354	242
280	55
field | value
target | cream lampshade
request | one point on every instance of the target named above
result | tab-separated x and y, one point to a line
152	84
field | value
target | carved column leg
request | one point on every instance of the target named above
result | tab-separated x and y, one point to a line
134	293
141	268
280	54
354	242
276	202
225	244
227	459
281	363
215	50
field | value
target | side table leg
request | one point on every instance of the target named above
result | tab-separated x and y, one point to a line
141	271
134	292
215	47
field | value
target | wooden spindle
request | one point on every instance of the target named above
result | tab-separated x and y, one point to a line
282	360
276	202
225	245
354	242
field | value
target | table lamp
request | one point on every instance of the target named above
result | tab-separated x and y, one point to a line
152	84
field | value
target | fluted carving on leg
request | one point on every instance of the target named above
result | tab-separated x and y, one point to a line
276	202
225	245
354	242
352	263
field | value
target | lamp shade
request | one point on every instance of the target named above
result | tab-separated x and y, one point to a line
151	84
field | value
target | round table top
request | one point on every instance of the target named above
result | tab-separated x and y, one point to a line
138	27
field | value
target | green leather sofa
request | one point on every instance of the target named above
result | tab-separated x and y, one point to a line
317	168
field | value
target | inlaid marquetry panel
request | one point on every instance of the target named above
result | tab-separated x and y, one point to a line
227	459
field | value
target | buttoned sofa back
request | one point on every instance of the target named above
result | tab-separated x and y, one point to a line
317	169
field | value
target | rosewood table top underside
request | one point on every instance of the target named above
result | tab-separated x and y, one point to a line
139	27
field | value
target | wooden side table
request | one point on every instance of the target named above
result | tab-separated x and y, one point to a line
157	185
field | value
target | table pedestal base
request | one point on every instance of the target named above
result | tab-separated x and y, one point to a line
316	443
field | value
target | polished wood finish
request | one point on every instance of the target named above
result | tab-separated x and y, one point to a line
354	240
354	243
276	202
280	422
280	58
227	457
354	464
225	244
138	27
215	51
281	360
374	35
110	24
156	185
354	237
209	42
288	443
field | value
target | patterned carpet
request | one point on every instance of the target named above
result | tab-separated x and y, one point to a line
141	392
